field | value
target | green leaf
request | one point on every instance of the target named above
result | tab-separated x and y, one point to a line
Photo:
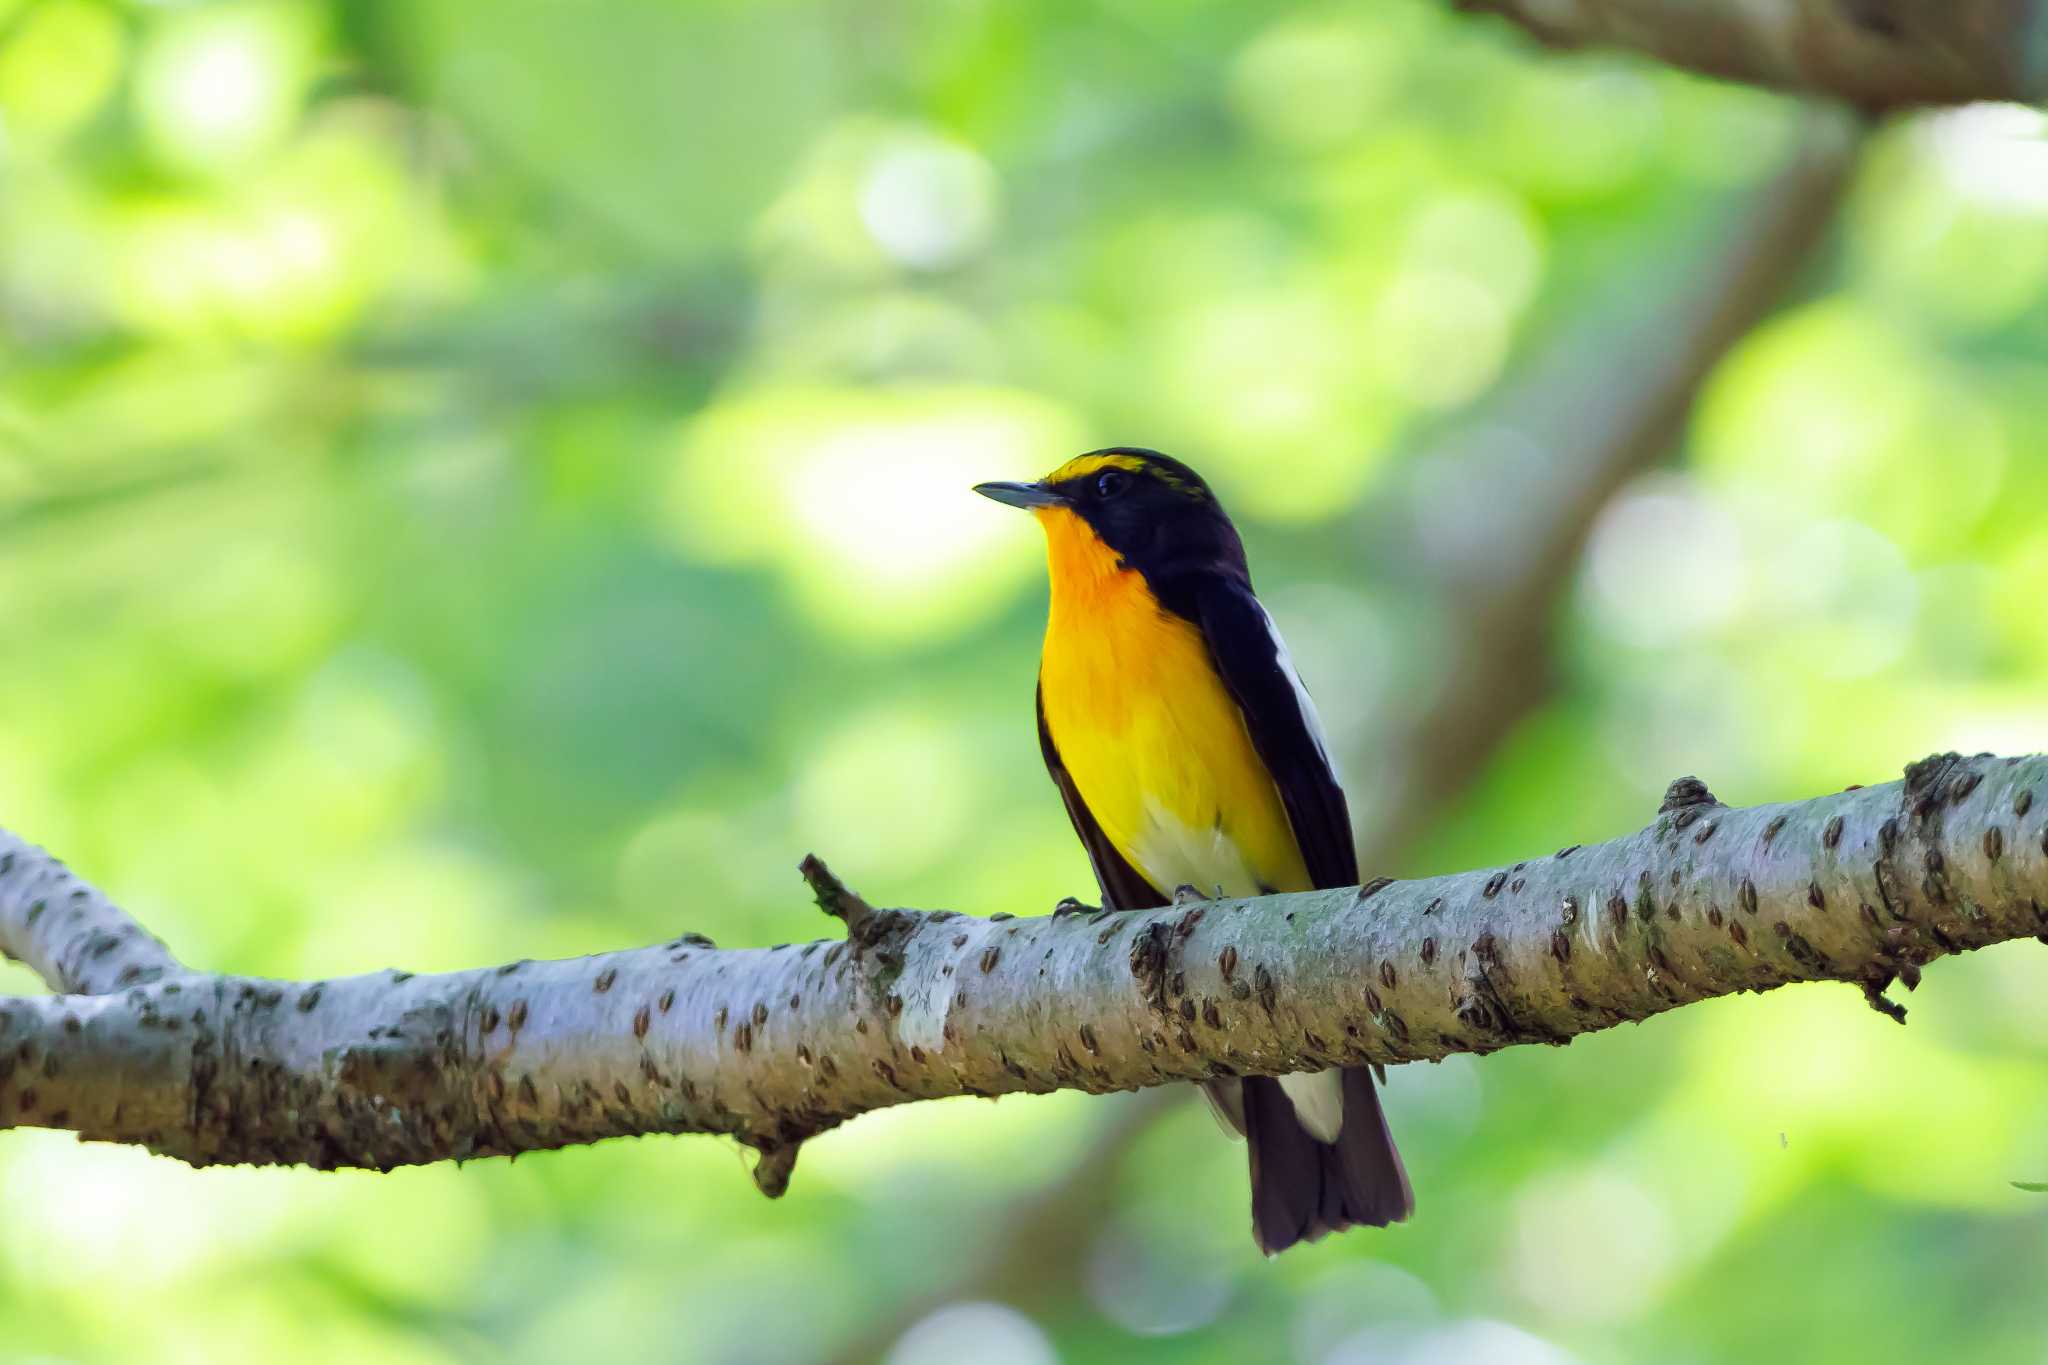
2030	1187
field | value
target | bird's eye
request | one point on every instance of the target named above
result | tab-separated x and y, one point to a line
1112	483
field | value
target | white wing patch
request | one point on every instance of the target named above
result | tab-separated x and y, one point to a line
1317	1097
1309	716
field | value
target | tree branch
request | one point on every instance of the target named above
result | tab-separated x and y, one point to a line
772	1046
69	934
1878	54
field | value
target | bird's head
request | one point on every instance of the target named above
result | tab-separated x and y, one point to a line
1148	511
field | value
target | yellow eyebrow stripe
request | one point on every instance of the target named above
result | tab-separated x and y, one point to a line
1086	465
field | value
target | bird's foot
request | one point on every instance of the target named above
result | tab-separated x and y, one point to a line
1185	893
1070	906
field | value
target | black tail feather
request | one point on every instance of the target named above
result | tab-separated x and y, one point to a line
1303	1189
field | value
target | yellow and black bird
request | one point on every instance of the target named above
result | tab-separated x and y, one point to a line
1189	755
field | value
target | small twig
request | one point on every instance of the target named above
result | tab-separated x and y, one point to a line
1873	992
772	1171
834	897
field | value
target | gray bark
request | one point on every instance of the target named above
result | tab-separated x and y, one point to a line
1877	54
772	1046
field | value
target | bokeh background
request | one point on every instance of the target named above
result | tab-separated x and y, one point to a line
482	481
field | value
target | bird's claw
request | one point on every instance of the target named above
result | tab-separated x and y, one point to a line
1184	893
1071	906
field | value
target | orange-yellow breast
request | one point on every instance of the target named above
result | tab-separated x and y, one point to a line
1154	743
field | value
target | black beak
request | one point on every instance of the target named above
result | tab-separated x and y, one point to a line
1025	495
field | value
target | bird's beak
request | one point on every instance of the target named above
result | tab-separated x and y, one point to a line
1025	495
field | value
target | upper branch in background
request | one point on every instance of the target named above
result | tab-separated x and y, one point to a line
1877	54
773	1046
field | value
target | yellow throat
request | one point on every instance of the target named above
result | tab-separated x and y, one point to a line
1156	746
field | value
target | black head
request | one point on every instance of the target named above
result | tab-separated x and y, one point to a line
1153	511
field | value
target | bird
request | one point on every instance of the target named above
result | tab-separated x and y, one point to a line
1191	760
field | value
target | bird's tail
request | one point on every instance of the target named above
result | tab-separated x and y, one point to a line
1302	1188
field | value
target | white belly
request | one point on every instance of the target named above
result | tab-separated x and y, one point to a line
1171	854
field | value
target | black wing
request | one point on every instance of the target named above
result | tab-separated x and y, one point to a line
1251	660
1123	887
1302	1187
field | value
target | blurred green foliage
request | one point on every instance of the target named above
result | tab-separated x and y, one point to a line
482	481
